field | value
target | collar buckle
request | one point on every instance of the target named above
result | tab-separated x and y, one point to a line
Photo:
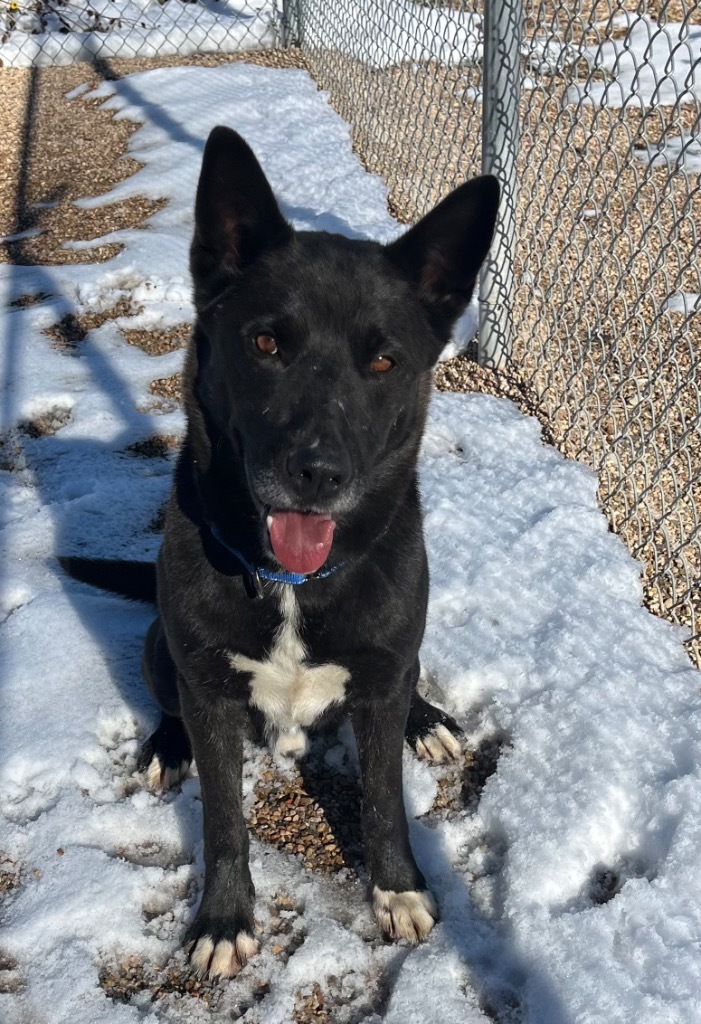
253	584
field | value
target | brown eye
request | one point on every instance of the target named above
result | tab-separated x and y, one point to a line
382	364
266	344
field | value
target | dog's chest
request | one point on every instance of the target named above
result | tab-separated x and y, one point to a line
291	692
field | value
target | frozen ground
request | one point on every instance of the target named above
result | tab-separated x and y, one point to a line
383	33
45	32
379	32
635	62
570	891
648	64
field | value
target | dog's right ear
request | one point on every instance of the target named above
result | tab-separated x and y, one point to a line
236	215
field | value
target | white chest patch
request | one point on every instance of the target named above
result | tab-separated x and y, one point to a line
291	693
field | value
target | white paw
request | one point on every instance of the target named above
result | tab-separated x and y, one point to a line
439	745
404	915
222	959
160	778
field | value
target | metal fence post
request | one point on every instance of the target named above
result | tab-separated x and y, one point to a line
501	89
299	38
291	23
284	23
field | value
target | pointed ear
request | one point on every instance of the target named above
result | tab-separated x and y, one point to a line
236	215
442	254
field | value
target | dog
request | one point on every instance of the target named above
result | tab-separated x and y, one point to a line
292	580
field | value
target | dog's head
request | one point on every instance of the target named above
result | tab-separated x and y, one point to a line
314	351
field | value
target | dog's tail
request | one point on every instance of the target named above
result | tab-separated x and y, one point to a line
136	580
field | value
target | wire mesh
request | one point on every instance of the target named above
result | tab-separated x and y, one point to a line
602	325
609	288
590	113
50	32
407	77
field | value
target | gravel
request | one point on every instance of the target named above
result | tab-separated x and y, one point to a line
603	240
71	330
423	135
587	397
312	812
38	166
158	341
168	387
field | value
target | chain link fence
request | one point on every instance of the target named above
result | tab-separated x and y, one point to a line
589	111
41	33
609	311
590	114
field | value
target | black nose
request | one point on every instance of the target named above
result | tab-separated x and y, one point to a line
317	474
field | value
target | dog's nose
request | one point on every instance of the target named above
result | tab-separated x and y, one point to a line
317	474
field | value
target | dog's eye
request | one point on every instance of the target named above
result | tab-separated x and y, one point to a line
382	364
266	344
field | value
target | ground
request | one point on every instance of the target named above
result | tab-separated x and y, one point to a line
561	848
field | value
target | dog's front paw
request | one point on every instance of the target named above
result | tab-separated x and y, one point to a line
218	956
405	915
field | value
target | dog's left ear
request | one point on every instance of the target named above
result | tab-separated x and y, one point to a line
236	215
442	254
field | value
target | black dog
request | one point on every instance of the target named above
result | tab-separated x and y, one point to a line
307	384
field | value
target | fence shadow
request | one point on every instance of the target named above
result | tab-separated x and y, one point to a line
64	468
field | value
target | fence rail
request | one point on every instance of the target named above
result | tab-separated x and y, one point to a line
590	113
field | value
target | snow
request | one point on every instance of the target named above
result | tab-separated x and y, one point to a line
569	891
683	151
648	65
85	29
52	32
599	710
684	302
383	33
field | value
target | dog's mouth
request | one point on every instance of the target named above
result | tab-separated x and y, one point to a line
301	541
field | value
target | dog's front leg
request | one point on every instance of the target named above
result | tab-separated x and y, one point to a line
403	906
222	934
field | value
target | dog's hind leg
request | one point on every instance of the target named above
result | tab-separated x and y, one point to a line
430	732
166	755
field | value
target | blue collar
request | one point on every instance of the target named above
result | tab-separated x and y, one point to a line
258	574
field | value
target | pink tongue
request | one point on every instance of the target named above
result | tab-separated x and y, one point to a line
301	542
